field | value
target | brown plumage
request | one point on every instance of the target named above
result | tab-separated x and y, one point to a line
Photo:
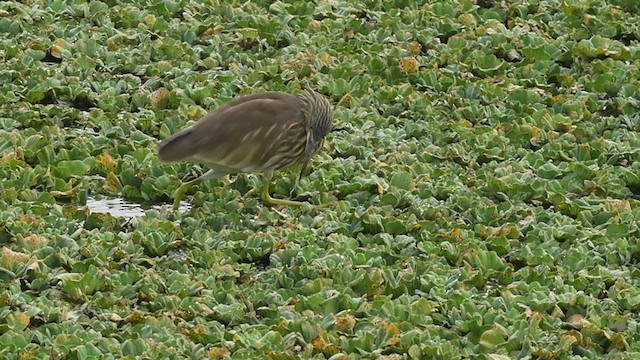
254	133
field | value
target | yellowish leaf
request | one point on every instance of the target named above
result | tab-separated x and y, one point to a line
58	47
150	19
325	58
112	184
107	162
395	333
345	323
159	98
409	65
318	343
535	133
196	112
465	123
35	241
8	258
219	352
415	47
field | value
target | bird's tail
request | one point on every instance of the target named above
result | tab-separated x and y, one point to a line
176	147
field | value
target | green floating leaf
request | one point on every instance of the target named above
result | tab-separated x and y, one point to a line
309	330
617	230
14	340
594	47
524	96
88	351
403	180
35	54
9	26
487	64
67	169
134	347
6	275
129	176
493	337
394	226
489	260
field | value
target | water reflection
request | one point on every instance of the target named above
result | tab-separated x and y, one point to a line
120	207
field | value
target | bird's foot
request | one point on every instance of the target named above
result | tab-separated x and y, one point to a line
305	206
267	199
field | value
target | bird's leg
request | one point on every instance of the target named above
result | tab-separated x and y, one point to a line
298	178
182	190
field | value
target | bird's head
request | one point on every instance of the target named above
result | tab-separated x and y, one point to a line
318	117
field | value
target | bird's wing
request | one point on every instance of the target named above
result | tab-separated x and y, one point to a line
242	135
